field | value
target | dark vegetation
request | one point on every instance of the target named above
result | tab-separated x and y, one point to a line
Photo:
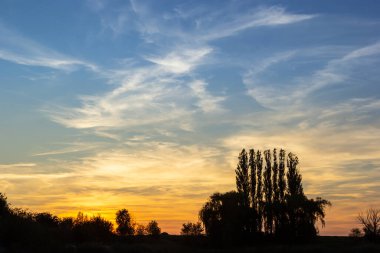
371	225
269	202
269	212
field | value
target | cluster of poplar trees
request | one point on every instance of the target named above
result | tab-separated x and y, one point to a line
271	195
269	201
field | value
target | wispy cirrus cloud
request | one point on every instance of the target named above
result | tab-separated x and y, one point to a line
261	17
335	71
24	51
207	25
168	89
206	101
16	165
182	60
145	96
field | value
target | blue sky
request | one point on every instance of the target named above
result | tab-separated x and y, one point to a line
137	104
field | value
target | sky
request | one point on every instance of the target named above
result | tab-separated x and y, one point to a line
145	105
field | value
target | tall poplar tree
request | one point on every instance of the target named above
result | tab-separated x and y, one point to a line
276	193
268	192
252	168
281	176
259	191
242	178
294	178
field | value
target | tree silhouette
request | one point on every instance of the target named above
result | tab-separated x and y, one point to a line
355	233
294	178
140	229
4	207
191	229
276	191
124	223
243	187
281	176
242	178
259	191
371	223
95	228
268	191
47	219
252	168
271	200
221	217
153	229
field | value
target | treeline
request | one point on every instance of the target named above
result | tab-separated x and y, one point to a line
21	227
269	201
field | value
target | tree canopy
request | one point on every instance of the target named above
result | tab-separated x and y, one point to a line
269	201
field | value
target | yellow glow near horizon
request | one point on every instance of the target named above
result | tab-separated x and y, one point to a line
170	183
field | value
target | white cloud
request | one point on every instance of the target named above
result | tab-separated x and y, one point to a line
207	102
363	52
292	93
20	50
182	60
272	16
71	148
144	96
16	165
207	24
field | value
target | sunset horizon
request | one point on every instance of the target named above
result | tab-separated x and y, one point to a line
146	105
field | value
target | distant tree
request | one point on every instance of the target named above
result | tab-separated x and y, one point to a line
242	178
140	229
276	201
99	229
221	217
275	181
47	219
302	213
124	223
252	168
268	191
371	223
81	218
243	187
281	176
191	229
4	207
259	191
282	219
293	176
355	233
95	228
276	193
153	229
294	197
66	222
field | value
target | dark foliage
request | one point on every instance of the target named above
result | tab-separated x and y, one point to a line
124	223
153	229
222	217
42	231
370	221
277	206
95	228
192	229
